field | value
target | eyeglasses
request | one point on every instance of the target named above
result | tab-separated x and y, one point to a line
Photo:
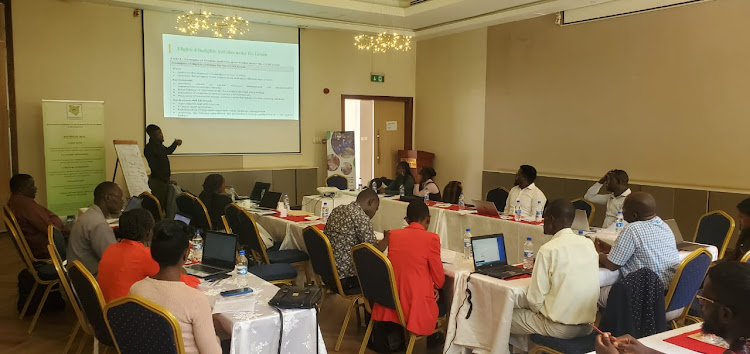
703	298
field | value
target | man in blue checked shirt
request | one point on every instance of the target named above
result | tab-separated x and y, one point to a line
647	241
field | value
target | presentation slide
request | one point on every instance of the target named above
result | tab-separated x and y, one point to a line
489	250
223	96
230	79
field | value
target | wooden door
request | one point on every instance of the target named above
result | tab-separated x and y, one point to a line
389	126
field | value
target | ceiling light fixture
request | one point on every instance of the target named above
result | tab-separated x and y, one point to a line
219	26
382	42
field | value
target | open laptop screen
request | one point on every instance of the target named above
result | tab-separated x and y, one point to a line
219	249
133	203
488	250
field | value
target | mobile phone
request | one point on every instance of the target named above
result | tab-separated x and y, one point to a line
235	292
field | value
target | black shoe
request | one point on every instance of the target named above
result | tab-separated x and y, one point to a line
435	339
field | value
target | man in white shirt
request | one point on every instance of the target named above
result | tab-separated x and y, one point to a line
525	191
565	282
616	182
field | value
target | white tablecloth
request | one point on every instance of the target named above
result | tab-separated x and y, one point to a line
657	340
257	331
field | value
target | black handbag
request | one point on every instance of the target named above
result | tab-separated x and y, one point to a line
293	297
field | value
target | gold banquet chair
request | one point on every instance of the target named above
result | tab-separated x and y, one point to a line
746	257
92	302
141	326
715	228
378	284
685	284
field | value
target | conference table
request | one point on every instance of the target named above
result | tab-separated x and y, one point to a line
659	341
254	325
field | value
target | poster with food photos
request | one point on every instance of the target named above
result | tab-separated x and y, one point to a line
340	157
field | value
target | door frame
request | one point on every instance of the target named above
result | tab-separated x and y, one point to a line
408	112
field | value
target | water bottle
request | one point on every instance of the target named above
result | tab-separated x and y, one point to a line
538	212
517	211
528	254
461	202
620	222
401	191
359	184
427	199
242	264
467	244
197	242
324	212
232	193
286	201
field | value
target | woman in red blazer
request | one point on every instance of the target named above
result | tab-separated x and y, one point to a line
415	256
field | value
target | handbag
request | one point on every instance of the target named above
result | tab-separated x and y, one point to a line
294	297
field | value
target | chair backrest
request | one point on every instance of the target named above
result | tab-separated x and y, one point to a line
715	228
452	191
243	225
746	257
57	260
498	196
141	326
152	204
92	300
190	205
337	181
321	256
688	279
376	279
12	223
585	205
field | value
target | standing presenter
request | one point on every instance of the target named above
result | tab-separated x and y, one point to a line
156	155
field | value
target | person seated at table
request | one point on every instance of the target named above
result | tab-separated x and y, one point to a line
169	248
743	243
214	198
525	191
403	178
129	260
91	234
427	185
32	217
349	225
726	313
415	256
647	241
564	283
616	183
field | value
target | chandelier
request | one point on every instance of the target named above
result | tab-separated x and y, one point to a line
219	26
382	42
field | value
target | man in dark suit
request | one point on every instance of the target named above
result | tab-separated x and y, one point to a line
156	155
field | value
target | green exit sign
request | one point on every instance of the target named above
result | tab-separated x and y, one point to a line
377	77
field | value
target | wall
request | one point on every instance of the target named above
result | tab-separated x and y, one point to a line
450	107
76	50
661	95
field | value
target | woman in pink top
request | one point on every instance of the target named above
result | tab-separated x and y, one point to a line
189	306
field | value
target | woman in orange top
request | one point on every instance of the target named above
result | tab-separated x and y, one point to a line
129	260
415	256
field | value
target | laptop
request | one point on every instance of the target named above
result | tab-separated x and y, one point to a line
681	244
486	208
581	221
490	258
268	204
183	218
218	255
259	190
133	203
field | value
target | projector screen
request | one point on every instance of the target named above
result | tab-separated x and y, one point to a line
223	96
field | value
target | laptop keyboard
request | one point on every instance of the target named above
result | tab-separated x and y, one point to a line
203	268
504	272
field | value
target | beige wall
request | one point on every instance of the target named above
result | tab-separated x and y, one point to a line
450	106
82	51
662	95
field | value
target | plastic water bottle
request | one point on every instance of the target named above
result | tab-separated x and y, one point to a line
427	199
467	244
359	184
242	264
286	201
401	191
232	193
517	211
620	222
538	212
197	242
528	254
324	212
461	202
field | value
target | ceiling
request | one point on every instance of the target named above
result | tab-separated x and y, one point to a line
423	19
